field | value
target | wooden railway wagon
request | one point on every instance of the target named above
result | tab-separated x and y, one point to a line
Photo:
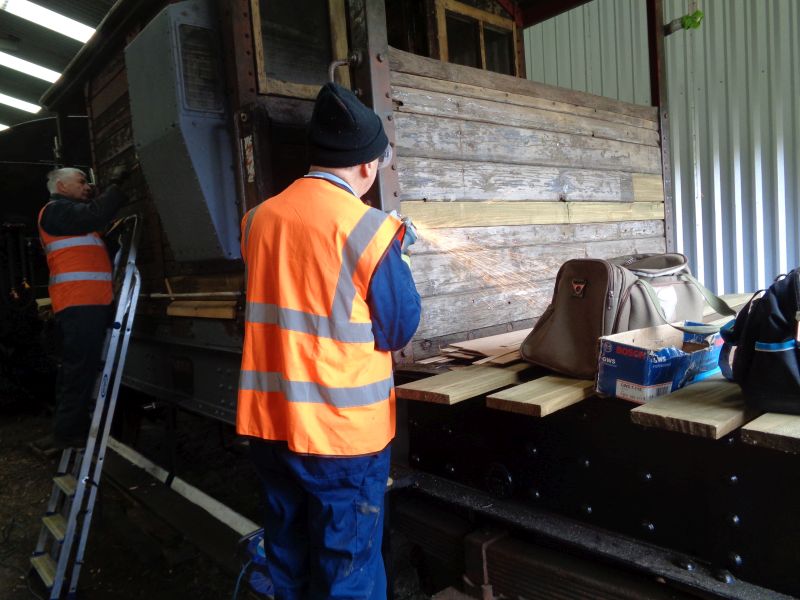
506	178
207	103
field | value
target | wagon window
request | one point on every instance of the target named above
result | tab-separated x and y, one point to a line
477	38
293	54
464	37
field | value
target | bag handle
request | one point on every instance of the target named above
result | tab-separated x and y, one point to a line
714	301
695	329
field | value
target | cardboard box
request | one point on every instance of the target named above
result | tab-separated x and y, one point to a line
644	364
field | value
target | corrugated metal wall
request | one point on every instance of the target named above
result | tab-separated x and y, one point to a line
734	107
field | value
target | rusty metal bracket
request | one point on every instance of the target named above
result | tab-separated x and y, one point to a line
372	84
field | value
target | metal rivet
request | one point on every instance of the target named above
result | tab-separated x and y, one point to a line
735	520
648	526
735	560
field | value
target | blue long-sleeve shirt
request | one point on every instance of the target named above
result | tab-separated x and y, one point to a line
393	300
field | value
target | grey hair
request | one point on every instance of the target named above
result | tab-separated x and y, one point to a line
56	175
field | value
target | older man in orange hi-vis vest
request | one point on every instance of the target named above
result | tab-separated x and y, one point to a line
70	228
328	298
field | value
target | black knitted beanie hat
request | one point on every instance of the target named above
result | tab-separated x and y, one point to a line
343	132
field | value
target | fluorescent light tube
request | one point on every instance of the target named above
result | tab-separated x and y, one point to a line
48	18
20	104
29	68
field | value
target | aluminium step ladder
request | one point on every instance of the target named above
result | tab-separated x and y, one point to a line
57	557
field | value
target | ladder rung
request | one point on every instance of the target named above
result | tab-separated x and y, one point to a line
45	566
57	526
67	483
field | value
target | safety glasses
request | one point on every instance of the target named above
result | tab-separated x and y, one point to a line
386	158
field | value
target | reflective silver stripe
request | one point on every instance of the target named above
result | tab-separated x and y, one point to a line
295	320
82	240
357	242
305	391
249	224
80	276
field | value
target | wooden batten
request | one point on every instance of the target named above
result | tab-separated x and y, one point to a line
774	431
456	386
203	309
709	409
541	397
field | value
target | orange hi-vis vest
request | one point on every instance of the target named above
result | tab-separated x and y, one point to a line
311	375
80	270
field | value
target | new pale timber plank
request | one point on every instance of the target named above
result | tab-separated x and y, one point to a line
204	309
709	409
455	386
541	397
648	188
775	431
475	214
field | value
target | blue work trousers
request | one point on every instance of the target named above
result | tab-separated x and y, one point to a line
323	523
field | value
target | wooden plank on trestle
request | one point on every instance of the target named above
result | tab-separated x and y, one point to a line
775	431
710	409
462	384
541	397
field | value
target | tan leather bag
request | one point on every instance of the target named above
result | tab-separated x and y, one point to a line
595	297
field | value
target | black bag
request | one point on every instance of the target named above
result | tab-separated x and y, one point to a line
766	360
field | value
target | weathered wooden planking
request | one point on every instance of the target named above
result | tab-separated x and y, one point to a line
456	139
434	179
448	105
471	239
775	431
115	89
432	215
482	307
406	62
472	91
541	397
709	409
455	270
459	385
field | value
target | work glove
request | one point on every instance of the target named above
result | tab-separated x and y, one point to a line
410	236
119	175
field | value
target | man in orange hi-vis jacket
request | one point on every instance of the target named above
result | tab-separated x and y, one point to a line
70	227
328	298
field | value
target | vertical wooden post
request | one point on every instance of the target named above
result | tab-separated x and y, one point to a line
658	95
